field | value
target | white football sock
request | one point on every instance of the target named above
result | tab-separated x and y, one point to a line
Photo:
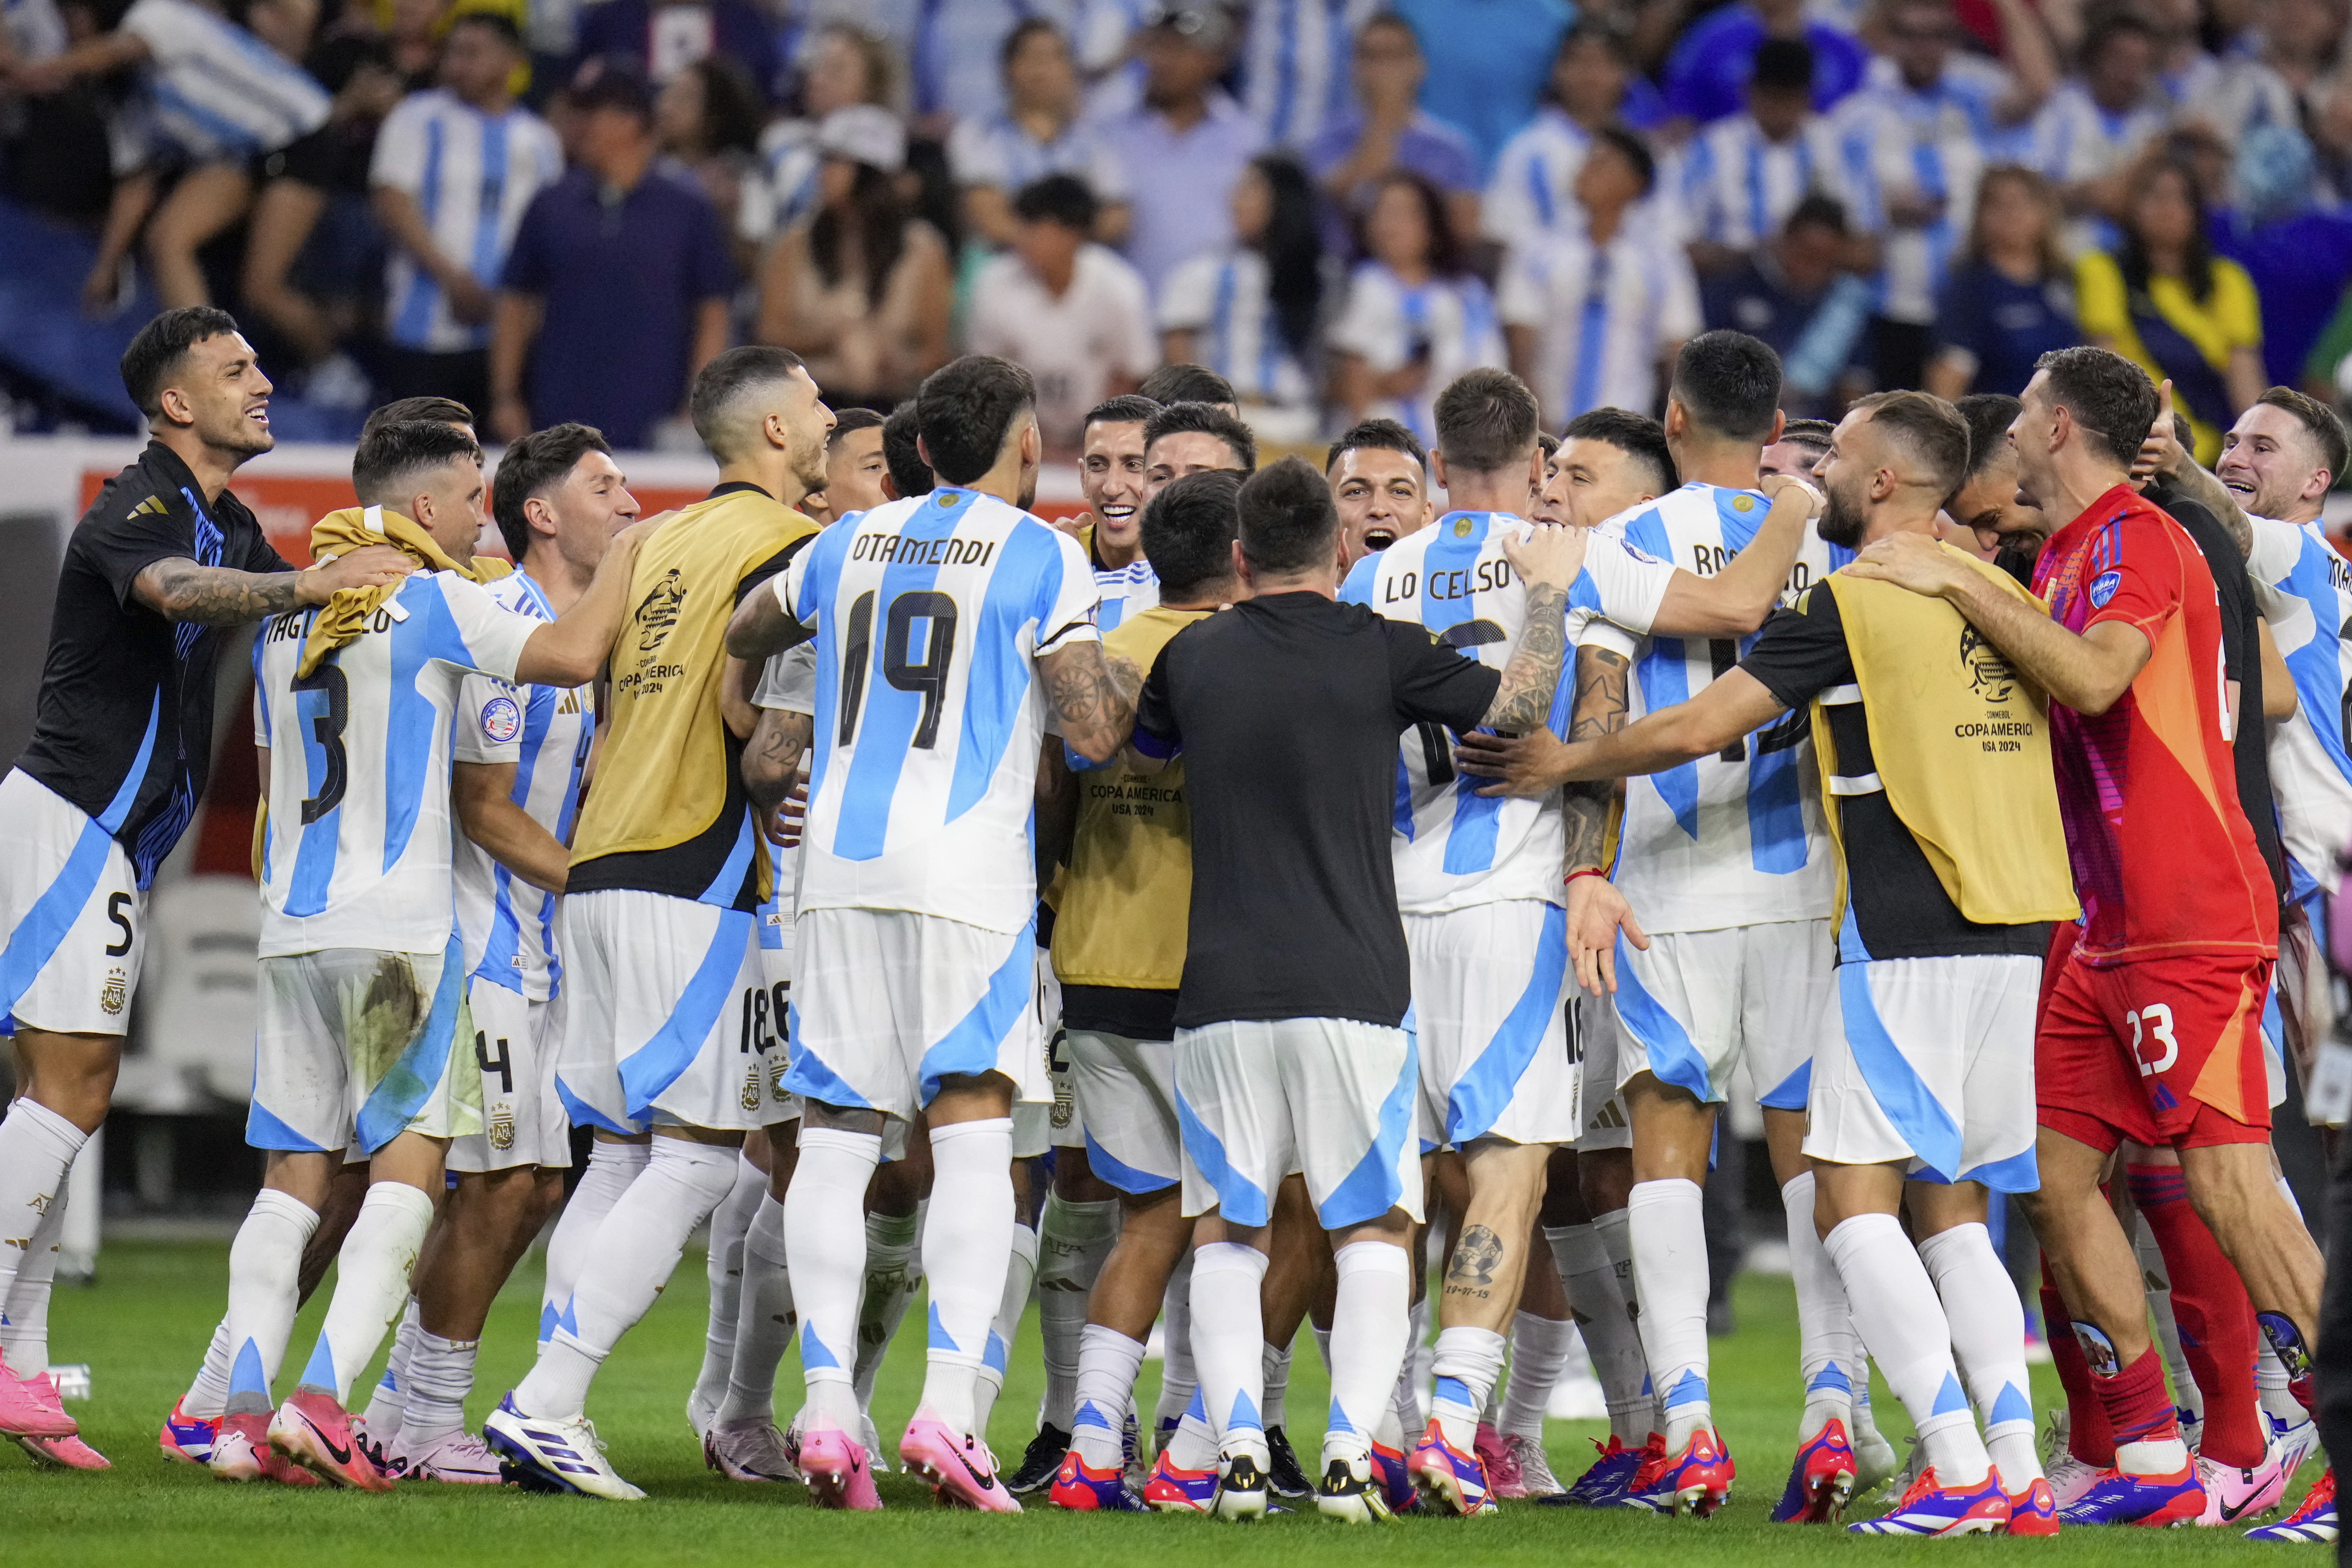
1826	1337
824	1248
636	1249
1108	1364
1411	1413
1179	1381
24	1318
1371	1317
36	1150
1193	1444
1539	1350
894	1267
2155	1284
388	1407
1322	1345
2275	1388
207	1396
611	1168
965	1255
724	1266
1615	1230
265	1284
1469	1363
1902	1326
440	1376
372	1278
1073	1240
1020	1273
1274	1372
1229	1344
763	1321
1988	1325
1667	1226
1610	1336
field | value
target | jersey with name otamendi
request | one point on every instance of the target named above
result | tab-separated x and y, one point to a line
1454	846
358	851
2304	590
507	925
929	612
1736	839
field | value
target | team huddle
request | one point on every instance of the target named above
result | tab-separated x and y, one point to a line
1205	914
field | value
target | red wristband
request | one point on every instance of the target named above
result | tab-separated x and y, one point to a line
1588	871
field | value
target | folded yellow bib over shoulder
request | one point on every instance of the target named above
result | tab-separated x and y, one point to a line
341	617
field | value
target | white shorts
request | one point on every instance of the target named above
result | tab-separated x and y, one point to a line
1698	1002
1593	1039
1490	986
669	1016
2300	1011
516	1044
886	1003
352	1047
1129	1087
1932	1065
1330	1098
72	912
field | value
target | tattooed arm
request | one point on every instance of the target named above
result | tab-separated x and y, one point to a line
1601	709
1549	561
1094	695
771	758
177	589
762	625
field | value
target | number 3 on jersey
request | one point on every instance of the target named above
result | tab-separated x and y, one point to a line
927	675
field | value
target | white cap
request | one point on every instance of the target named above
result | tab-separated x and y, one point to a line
863	133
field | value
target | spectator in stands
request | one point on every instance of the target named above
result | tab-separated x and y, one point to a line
1039	131
1065	307
665	37
1931	119
860	289
1488	60
1385	129
2166	302
1594	305
1416	316
2298	254
1294	66
1797	295
1250	311
215	100
1716	55
454	170
616	290
1747	173
2011	296
2096	123
1592	84
844	64
707	121
1187	141
958	60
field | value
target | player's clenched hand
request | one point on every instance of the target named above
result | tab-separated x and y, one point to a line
1911	561
370	566
2161	452
1527	765
1778	485
1597	912
1547	554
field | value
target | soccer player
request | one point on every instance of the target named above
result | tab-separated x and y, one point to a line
2150	1030
1801	444
1110	472
1288	1050
359	1041
1987	501
121	742
947	627
902	454
671	1026
1191	438
1379	476
1609	461
855	470
1184	383
1478	883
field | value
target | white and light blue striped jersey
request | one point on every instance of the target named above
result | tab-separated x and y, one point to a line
506	927
1222	297
1127	592
995	150
929	613
216	91
1535	178
1934	141
1454	846
1449	323
1294	65
472	175
1737	186
2304	590
358	851
1736	839
1604	316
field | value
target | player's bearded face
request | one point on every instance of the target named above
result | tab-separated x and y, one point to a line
1842	520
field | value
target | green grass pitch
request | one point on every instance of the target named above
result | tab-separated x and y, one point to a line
145	1322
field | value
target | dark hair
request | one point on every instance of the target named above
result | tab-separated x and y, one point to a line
1731	384
909	475
1548	444
1063	199
2197	255
1634	150
2043	194
731	109
1293	247
848	420
1188	531
881	219
1383	435
1022	31
1989	415
1209	420
1486	420
2325	425
1589	29
725	379
965	409
1447	257
1127	408
1288	522
154	355
1637	436
1183	383
1786	64
393	453
612	81
542	458
2111	398
2108	26
1933	430
1388	16
440	410
1825	212
1815	433
497	22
